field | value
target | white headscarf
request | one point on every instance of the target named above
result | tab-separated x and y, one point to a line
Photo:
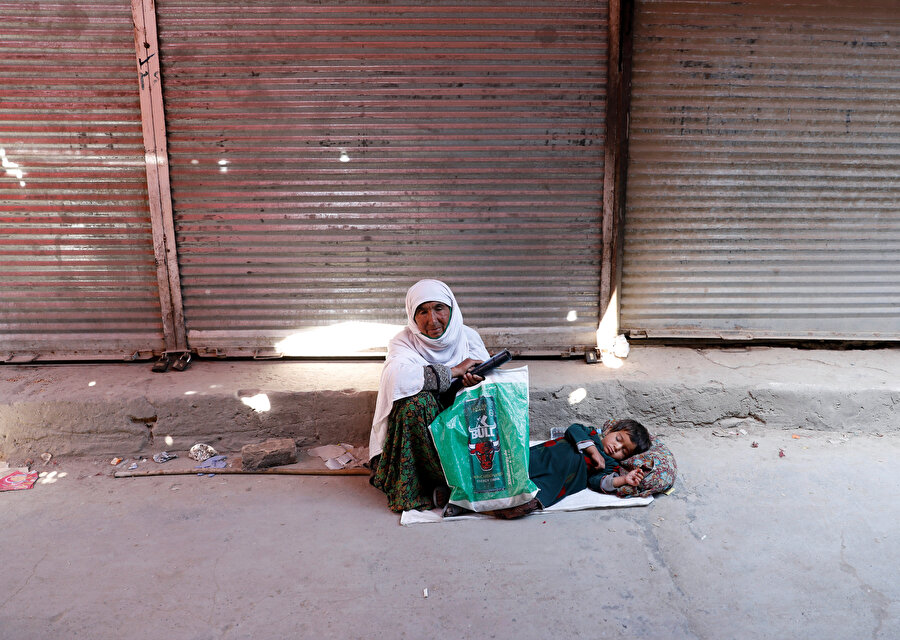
410	351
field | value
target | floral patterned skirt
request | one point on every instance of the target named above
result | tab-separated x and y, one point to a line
408	468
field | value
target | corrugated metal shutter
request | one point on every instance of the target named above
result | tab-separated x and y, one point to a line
764	174
324	157
77	271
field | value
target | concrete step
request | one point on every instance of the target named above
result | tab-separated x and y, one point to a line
125	409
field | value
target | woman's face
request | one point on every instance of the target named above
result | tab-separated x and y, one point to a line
432	318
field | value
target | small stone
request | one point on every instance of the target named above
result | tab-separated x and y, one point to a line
271	453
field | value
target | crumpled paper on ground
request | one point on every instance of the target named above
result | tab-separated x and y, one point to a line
341	456
216	462
201	452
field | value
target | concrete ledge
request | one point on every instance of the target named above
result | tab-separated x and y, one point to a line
123	409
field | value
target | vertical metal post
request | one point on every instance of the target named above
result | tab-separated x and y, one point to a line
618	100
153	123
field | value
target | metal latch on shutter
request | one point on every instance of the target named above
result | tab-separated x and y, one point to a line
211	352
21	358
268	353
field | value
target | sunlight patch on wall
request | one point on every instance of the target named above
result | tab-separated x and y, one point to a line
259	403
343	339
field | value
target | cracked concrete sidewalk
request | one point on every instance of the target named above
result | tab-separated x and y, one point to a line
749	545
119	409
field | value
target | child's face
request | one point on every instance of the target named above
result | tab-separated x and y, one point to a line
618	445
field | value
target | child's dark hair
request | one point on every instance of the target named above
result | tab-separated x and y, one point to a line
638	433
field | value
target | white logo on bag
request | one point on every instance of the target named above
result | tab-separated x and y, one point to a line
482	430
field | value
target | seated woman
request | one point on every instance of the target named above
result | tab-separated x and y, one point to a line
433	348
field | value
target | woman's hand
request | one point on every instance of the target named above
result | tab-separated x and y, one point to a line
461	371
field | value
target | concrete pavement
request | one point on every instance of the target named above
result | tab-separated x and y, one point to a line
749	545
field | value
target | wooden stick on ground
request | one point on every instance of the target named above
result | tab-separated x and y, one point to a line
273	472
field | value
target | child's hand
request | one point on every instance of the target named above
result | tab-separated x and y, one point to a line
594	459
634	477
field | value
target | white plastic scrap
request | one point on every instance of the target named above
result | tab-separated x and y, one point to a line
201	452
617	346
620	346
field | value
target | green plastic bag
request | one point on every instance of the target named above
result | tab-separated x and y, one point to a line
482	441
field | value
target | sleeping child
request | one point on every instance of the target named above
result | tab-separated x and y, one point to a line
582	458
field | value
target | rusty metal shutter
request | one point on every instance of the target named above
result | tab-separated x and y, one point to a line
77	272
324	157
764	175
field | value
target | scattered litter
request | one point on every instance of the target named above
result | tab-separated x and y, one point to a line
340	462
115	461
215	462
341	456
743	432
46	457
425	593
781	453
327	451
703	537
613	350
557	432
201	452
754	444
795	436
621	348
132	466
17	478
164	456
727	434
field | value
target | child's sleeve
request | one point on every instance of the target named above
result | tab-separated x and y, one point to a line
582	437
601	480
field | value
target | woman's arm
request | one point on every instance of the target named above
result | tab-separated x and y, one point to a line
437	378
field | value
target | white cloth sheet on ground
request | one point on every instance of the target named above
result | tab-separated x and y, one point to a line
586	499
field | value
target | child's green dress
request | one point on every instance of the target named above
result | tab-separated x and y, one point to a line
559	469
